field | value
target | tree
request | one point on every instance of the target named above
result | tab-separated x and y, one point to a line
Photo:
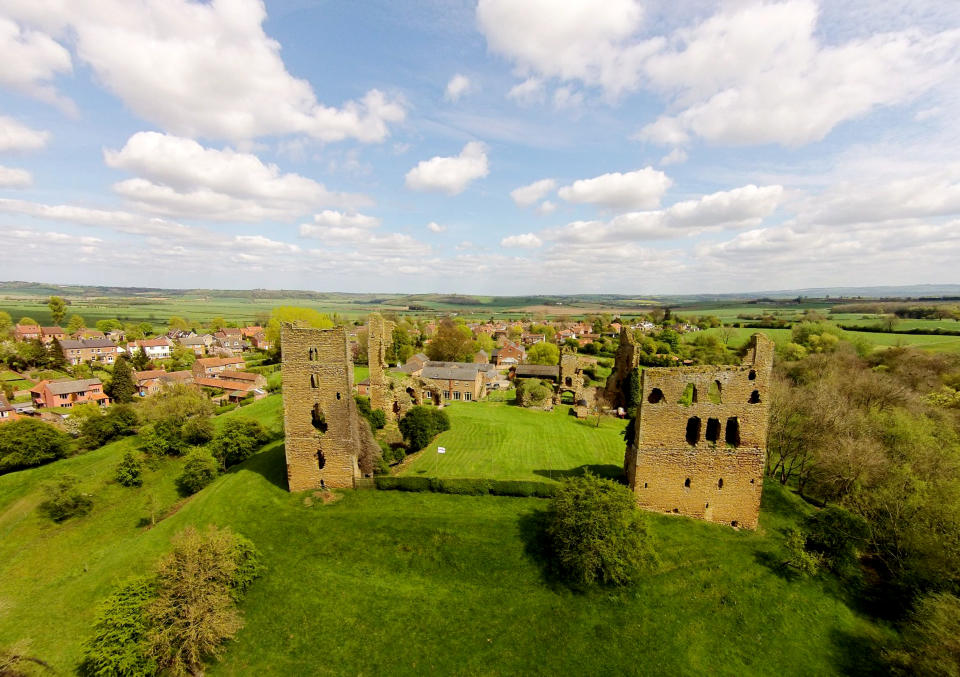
98	429
543	353
486	343
178	402
597	534
64	500
217	323
236	441
401	346
181	357
55	357
140	360
421	424
29	442
6	323
452	343
178	324
108	325
28	321
129	472
532	392
122	386
118	645
931	639
75	324
58	309
298	316
200	470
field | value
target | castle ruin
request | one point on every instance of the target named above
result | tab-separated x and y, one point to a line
625	361
700	439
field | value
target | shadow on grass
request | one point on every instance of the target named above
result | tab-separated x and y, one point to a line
858	654
532	528
608	471
269	464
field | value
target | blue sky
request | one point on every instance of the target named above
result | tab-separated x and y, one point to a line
496	146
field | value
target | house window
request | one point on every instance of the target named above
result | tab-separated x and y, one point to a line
446	394
456	394
468	396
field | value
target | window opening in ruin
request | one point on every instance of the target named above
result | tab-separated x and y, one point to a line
568	381
314	381
686	484
706	505
313	354
338	396
413	395
693	430
713	394
720	483
713	429
644	485
752	375
396	407
755	397
318	419
689	395
752	481
655	396
732	436
734	523
321	461
676	511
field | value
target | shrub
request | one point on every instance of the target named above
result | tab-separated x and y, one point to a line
64	500
163	438
198	430
129	471
421	424
467	486
118	645
532	392
237	440
931	639
837	536
596	533
199	471
460	486
376	417
119	420
29	442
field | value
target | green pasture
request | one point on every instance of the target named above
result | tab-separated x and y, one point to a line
501	440
949	344
386	582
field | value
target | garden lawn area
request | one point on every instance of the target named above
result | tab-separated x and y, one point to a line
781	337
503	441
15	380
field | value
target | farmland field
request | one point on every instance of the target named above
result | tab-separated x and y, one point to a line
500	440
396	583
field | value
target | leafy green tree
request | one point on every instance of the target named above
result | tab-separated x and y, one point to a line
199	470
401	346
118	645
75	324
486	343
119	421
837	536
129	472
543	353
108	325
178	402
178	324
64	500
198	430
301	317
122	386
421	424
217	323
182	358
58	309
30	442
28	321
532	392
163	438
6	323
452	343
597	534
140	360
236	441
55	358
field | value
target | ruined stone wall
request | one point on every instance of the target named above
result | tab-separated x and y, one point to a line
379	336
570	377
704	458
319	414
625	361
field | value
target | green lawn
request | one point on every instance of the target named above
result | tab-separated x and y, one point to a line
397	583
500	440
950	344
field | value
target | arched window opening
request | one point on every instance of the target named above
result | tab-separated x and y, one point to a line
313	354
713	430
734	524
321	460
732	436
693	430
655	396
569	381
752	375
314	381
413	395
318	419
686	484
720	483
713	394
755	397
689	395
396	407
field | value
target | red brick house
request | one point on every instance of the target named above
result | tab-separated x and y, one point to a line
65	392
47	334
214	366
26	332
509	353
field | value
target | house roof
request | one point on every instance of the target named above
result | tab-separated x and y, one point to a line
239	375
70	386
224	384
450	373
52	330
153	343
219	361
149	374
179	376
192	341
28	328
537	370
74	344
473	366
4	403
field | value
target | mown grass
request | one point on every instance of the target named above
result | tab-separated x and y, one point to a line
781	337
501	440
398	583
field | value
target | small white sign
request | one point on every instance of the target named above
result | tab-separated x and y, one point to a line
441	450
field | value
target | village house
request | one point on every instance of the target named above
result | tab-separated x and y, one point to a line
481	357
547	372
233	390
213	366
532	339
464	383
26	332
155	349
117	335
198	344
260	341
7	413
251	331
153	380
258	380
509	354
363	388
85	333
48	334
89	350
62	393
229	340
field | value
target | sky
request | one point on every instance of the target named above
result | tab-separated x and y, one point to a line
493	147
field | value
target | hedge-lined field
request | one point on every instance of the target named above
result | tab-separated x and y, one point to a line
504	441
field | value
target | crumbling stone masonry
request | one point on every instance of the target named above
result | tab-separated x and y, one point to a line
319	414
700	439
625	361
570	379
379	336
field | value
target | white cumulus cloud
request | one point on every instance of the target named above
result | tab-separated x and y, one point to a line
640	189
31	60
15	135
435	227
522	241
450	175
11	177
524	196
457	87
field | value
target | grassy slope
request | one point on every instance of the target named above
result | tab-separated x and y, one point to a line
390	582
949	344
509	442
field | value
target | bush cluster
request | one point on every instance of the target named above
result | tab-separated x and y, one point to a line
376	417
129	471
29	442
199	470
532	392
473	487
236	441
421	424
64	500
119	421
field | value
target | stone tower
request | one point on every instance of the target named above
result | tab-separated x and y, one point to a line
700	439
320	417
625	361
570	378
379	336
